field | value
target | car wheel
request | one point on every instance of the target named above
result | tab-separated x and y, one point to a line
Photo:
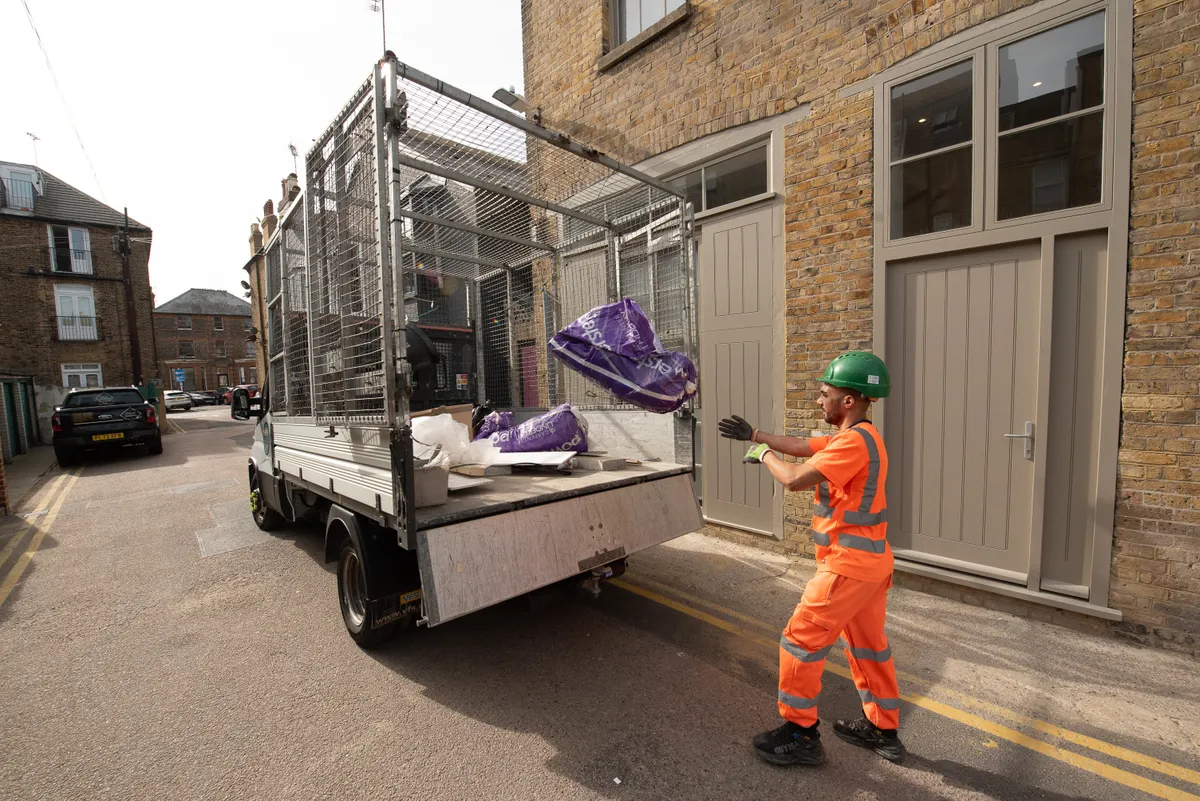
357	613
66	457
154	446
265	517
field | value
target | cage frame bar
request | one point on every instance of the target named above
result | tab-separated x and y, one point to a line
555	138
488	186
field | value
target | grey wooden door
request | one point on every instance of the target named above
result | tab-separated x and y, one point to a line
737	374
963	347
1073	437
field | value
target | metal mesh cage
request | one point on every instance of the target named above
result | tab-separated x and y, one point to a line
274	332
501	233
345	273
546	232
295	318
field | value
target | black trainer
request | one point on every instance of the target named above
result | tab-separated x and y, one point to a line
790	744
866	734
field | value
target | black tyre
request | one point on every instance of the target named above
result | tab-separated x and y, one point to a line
66	457
357	613
265	517
154	446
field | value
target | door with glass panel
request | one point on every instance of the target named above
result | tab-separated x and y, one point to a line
983	316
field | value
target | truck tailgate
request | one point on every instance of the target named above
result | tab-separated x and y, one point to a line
473	564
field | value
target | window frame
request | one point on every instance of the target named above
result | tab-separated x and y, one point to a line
615	8
9	175
64	333
978	103
218	322
219	349
181	317
251	349
764	143
191	343
1105	109
985	124
81	369
79	265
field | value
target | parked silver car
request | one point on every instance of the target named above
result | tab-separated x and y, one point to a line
177	401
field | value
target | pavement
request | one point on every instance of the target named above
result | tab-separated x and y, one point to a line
25	472
154	644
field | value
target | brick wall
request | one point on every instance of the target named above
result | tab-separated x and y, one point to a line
206	339
1157	546
256	272
29	340
735	61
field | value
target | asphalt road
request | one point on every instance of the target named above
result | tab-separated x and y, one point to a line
155	645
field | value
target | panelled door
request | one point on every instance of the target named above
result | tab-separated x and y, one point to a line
736	364
965	349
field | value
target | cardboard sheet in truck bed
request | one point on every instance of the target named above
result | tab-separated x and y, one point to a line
590	519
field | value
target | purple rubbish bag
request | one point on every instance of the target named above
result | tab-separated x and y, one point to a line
615	347
560	429
496	421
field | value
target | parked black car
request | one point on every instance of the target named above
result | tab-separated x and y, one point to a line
202	397
106	417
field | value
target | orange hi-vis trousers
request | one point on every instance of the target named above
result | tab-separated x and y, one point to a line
835	605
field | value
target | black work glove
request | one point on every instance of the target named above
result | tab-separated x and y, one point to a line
736	428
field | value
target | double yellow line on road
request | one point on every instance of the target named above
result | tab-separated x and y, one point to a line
687	604
38	521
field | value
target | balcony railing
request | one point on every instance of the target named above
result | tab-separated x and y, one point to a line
18	195
78	329
71	261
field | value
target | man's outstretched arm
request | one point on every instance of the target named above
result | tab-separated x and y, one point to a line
794	477
736	428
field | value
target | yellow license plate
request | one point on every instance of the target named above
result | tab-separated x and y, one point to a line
98	437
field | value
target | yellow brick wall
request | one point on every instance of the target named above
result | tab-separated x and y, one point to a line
734	61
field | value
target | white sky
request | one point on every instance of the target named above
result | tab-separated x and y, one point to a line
187	108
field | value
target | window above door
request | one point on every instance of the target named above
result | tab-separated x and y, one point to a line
1015	129
727	180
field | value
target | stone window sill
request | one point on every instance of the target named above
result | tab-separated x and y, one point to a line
624	51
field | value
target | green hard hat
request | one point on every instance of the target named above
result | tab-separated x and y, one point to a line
859	370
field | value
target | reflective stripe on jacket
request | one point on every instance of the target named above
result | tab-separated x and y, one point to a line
850	512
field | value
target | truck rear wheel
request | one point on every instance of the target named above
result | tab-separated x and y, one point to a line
357	612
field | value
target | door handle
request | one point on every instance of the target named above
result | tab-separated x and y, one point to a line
1027	436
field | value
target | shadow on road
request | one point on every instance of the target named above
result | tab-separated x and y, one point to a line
624	688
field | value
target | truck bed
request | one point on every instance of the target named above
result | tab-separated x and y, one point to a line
532	488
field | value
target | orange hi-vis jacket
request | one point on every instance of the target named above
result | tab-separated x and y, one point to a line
850	516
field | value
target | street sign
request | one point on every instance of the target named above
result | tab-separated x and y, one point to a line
179	377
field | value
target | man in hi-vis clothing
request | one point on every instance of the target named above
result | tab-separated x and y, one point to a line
848	594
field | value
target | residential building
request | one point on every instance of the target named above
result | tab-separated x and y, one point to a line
73	312
1000	198
256	274
206	336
